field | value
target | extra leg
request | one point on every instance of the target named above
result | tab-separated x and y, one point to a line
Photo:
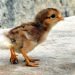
13	58
28	62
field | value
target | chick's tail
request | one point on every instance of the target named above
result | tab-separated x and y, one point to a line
5	42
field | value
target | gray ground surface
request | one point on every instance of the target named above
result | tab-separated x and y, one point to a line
56	54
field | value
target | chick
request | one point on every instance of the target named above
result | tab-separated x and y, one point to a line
26	37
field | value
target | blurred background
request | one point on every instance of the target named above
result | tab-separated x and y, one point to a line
15	12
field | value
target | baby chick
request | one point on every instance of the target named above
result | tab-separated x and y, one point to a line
26	37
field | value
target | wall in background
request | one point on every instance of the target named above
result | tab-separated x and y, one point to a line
15	12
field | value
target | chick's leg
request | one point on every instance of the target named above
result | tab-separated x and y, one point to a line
13	58
32	60
28	62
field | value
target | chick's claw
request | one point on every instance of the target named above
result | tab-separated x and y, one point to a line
14	61
32	64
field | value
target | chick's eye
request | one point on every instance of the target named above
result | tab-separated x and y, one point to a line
53	16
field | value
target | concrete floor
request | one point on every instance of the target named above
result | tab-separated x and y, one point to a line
56	54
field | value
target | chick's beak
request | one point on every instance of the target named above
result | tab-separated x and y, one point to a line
61	18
